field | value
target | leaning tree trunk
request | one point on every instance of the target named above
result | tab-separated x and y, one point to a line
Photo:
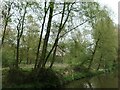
99	63
93	54
59	31
38	49
45	44
54	55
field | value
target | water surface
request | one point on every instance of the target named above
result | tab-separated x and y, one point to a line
108	80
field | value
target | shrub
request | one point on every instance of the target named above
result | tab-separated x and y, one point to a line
47	78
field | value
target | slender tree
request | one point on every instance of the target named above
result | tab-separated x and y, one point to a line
45	43
20	28
38	49
6	18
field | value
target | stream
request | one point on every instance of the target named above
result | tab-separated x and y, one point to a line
107	80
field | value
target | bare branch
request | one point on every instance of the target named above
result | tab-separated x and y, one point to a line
74	28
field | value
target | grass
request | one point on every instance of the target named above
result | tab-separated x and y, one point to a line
60	74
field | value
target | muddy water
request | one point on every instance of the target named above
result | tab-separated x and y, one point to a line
108	80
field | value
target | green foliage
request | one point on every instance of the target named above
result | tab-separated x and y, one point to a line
7	56
74	49
79	75
77	52
105	31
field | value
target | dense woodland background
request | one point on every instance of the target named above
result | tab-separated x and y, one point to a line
54	35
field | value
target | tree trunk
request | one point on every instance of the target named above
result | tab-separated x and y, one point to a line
27	62
44	49
4	33
20	58
6	18
93	54
59	31
99	63
54	55
20	26
38	49
56	40
17	53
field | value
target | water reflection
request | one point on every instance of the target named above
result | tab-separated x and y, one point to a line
101	81
88	85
